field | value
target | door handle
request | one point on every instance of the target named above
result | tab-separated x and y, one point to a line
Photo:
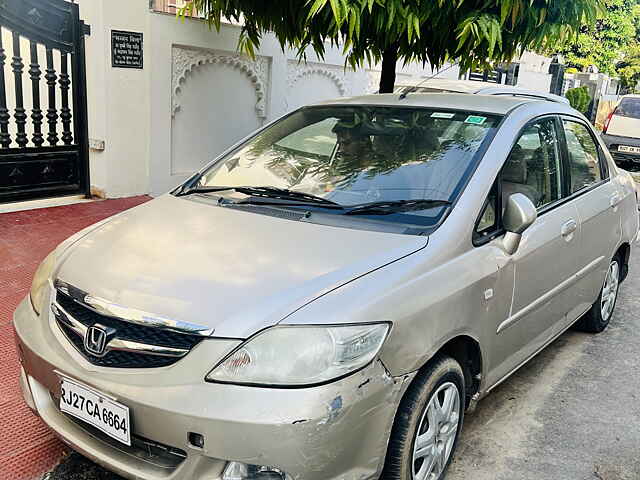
614	200
568	228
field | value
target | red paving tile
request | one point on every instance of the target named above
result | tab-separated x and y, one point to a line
27	447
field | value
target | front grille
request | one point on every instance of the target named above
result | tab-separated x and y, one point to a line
115	358
147	335
620	157
127	330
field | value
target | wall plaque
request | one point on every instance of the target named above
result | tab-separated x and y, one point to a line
126	49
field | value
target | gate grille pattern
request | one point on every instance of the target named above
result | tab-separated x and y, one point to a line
44	146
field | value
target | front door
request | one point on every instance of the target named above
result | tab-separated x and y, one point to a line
548	256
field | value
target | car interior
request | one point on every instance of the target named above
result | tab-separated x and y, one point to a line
532	168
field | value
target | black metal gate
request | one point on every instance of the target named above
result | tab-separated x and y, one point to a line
44	144
506	74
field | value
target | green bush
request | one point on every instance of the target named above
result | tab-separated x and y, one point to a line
579	98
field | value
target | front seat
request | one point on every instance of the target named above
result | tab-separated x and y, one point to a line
514	177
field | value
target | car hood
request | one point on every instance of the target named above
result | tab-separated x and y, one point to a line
232	271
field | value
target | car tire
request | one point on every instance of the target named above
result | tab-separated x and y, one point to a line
426	416
600	313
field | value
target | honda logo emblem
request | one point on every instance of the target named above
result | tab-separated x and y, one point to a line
96	339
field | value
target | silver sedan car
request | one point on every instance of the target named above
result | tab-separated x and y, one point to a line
327	298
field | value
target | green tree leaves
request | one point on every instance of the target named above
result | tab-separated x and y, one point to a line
602	43
629	68
473	32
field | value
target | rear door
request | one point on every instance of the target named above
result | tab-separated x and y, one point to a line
596	198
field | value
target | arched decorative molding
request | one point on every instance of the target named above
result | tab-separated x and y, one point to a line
186	59
297	70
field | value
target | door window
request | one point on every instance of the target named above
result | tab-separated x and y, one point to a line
487	220
584	161
487	225
533	166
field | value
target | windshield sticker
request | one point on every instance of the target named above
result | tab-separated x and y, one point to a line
475	119
442	115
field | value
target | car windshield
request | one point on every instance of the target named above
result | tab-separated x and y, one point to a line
353	155
629	107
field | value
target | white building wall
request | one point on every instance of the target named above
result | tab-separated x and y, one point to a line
534	72
540	82
96	45
118	99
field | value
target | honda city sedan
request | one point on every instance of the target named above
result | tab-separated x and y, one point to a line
327	298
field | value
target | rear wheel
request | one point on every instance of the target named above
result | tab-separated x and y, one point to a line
427	425
598	317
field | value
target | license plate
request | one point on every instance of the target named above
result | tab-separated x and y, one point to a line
96	409
625	148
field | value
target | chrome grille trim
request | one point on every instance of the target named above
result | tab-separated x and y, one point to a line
116	343
131	315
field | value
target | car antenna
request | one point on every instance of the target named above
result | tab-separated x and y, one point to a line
409	90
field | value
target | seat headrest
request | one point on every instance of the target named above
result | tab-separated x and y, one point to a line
515	168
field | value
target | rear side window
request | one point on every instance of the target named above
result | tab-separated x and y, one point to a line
629	107
584	161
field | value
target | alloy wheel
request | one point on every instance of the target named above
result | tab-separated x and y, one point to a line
610	290
436	433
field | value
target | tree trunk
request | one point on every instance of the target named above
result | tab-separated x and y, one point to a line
388	75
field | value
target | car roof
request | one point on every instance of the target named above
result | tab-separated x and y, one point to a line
462	86
447	101
474	87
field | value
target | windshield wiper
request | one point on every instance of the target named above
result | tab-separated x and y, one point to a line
395	206
199	189
282	194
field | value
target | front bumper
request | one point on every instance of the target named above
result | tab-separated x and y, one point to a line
335	431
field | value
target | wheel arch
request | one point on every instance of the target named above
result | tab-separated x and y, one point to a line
467	352
623	252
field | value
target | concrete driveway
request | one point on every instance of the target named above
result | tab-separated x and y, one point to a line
27	447
572	413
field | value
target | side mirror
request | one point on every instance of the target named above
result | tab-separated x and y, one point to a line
519	214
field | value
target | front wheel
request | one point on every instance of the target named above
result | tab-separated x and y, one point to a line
427	424
598	317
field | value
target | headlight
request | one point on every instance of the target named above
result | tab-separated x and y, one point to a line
301	355
39	286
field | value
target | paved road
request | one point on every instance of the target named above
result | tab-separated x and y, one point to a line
572	413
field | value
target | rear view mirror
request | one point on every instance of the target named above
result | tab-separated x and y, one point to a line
519	214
